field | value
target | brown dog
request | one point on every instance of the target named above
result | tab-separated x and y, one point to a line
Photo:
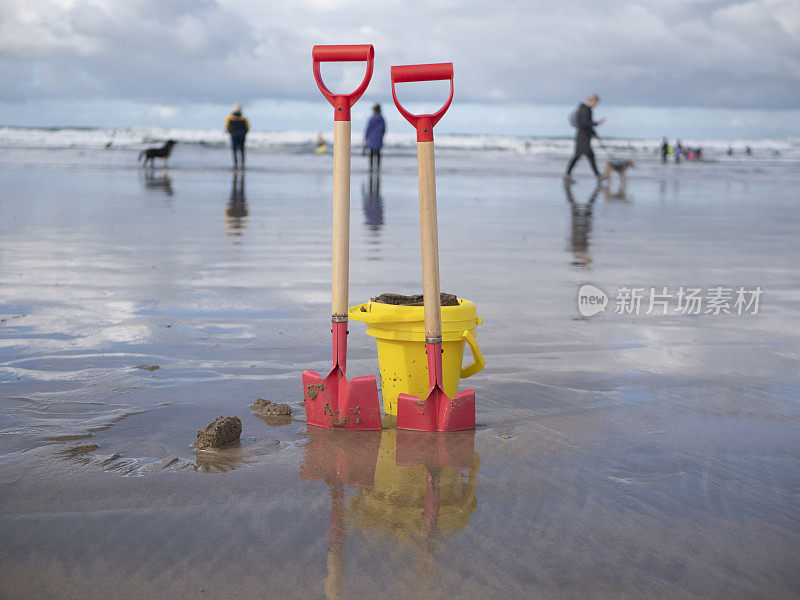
620	167
152	153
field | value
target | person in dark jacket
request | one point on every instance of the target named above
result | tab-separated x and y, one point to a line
237	126
373	137
584	135
664	150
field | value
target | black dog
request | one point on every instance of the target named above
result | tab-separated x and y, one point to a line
152	153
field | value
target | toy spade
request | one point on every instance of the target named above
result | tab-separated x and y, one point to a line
436	412
334	401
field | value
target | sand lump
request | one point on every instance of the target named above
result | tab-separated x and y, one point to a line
264	407
415	300
221	431
271	413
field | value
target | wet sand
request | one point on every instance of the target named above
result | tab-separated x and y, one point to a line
617	456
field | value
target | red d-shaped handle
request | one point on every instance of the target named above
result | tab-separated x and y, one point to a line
342	102
423	123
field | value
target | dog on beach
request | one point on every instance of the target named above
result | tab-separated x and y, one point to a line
150	154
620	167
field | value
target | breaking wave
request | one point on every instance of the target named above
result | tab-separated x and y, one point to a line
135	138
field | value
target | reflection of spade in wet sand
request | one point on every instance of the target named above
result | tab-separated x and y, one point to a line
339	458
581	227
410	486
236	210
161	182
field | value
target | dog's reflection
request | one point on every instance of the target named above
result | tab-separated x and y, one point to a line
409	486
581	227
236	209
619	194
162	182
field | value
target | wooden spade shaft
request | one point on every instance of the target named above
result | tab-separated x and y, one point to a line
341	219
430	243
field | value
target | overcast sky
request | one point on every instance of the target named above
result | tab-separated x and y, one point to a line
162	53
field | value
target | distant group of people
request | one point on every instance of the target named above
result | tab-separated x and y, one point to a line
678	151
583	120
748	151
238	126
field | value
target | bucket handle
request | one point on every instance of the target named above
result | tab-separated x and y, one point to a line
478	361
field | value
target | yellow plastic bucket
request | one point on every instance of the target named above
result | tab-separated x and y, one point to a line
400	335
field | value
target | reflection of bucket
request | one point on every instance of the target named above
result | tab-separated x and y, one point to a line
400	334
401	495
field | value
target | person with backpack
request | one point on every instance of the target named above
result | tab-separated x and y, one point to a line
237	126
582	118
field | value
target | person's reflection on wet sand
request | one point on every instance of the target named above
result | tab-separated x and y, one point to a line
409	485
581	227
236	210
372	203
161	182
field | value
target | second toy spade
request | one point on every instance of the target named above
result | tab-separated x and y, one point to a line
436	412
333	401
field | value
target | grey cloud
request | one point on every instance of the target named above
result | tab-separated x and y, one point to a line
712	53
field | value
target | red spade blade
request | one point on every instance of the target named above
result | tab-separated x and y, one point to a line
336	403
437	412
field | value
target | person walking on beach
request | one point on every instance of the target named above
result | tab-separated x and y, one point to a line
237	126
664	150
678	151
582	119
373	137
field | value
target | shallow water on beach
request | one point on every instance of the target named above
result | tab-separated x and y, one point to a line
617	456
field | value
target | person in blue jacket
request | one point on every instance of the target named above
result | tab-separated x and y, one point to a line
373	137
237	126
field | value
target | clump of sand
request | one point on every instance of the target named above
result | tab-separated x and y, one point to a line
264	408
221	431
415	300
